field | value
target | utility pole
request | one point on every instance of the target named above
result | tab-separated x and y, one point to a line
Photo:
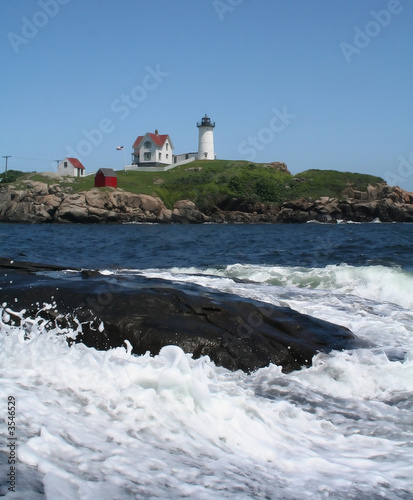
5	172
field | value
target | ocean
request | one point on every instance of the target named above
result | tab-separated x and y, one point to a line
110	425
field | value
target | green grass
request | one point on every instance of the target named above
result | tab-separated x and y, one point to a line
217	180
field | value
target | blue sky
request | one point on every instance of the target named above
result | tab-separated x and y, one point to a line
316	84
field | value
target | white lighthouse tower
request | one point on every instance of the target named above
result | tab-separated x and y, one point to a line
206	139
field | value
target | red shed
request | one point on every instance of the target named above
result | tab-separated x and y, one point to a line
106	177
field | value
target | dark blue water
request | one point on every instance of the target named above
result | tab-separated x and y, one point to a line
165	246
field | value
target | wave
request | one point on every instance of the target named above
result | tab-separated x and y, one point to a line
378	283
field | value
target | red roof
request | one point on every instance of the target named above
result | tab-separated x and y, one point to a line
75	162
137	142
159	140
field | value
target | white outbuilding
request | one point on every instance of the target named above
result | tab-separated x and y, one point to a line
71	166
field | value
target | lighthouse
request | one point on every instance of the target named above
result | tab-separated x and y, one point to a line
206	139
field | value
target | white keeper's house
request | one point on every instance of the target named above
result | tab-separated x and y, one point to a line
152	150
71	166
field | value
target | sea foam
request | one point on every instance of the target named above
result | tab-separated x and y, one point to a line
113	425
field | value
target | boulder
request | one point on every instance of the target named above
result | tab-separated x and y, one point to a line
150	203
372	192
186	211
126	201
55	189
184	205
279	167
73	209
291	215
40	189
238	334
52	200
302	204
97	199
165	215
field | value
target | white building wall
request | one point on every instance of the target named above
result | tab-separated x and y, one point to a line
141	150
158	168
154	151
144	149
62	170
184	157
206	143
164	152
136	154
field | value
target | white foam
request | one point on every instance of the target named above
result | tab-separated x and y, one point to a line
112	425
342	373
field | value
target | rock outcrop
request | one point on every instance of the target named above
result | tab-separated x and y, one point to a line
40	202
235	333
382	202
279	166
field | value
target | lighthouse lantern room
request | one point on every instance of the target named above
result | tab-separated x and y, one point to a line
206	139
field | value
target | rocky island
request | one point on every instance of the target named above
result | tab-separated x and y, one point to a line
210	193
40	203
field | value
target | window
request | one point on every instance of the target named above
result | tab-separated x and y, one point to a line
167	156
147	156
206	155
160	156
167	146
65	164
148	144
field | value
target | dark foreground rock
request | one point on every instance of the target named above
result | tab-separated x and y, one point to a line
235	333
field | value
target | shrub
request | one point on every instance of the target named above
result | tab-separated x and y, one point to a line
12	176
316	183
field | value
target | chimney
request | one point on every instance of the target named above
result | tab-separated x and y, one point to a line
156	132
